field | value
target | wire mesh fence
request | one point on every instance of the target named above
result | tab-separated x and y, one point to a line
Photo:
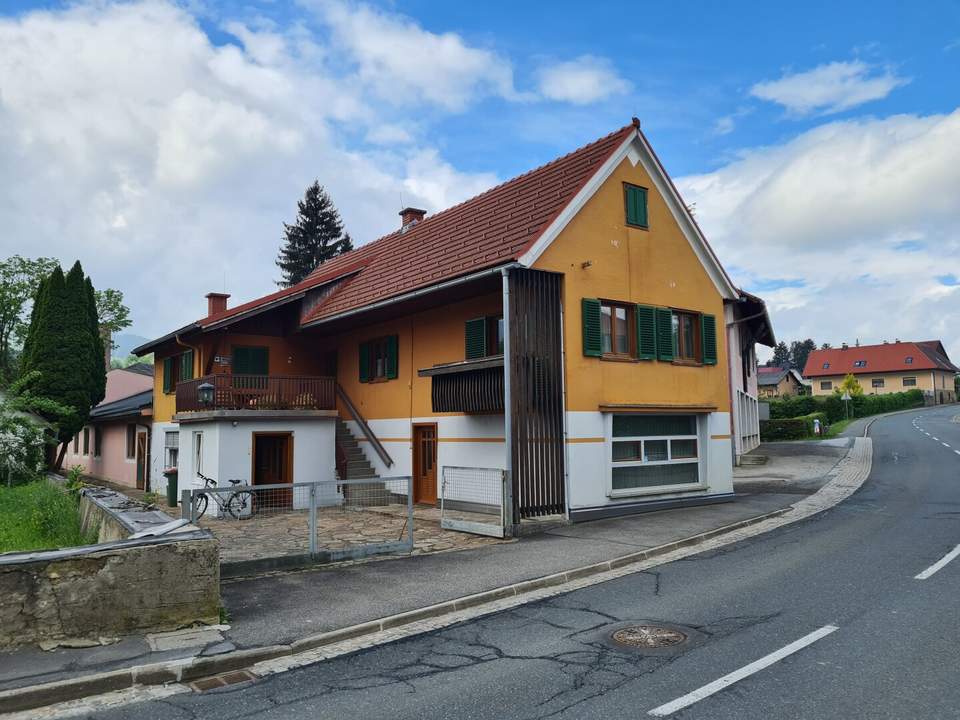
472	500
321	521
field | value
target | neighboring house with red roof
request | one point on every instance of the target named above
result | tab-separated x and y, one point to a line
886	368
566	326
777	382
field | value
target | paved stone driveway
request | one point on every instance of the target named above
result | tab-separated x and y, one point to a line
287	532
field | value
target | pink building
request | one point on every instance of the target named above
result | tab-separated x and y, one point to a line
115	444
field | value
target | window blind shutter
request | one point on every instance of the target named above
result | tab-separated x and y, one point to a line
475	338
392	357
708	329
259	361
665	334
241	361
186	365
590	311
646	332
364	362
636	206
167	374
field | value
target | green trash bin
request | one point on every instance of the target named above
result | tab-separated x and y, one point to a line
171	475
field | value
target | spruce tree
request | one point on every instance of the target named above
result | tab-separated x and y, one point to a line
98	363
315	237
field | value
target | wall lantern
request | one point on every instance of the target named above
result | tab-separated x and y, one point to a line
205	393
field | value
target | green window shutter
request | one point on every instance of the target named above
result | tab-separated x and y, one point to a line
364	362
186	365
636	199
391	357
475	338
665	334
590	310
241	361
646	332
708	330
167	374
251	361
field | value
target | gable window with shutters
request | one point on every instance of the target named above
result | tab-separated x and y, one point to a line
378	359
635	200
483	337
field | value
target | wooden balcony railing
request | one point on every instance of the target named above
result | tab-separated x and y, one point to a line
259	392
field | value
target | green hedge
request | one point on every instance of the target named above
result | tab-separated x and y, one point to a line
797	428
833	407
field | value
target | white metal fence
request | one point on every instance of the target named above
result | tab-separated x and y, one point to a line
472	500
321	521
748	422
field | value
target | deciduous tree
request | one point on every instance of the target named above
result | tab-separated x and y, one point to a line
19	278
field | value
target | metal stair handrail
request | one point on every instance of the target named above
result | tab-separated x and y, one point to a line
364	428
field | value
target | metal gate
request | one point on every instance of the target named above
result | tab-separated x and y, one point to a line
472	500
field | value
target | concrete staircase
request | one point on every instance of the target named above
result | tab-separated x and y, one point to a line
369	493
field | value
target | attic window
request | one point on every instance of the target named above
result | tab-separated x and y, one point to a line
860	363
908	360
826	366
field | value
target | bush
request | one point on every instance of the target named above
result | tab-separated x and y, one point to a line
797	428
833	407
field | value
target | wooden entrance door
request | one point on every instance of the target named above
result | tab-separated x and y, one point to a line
425	464
273	465
142	461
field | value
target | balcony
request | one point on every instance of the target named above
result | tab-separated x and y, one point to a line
258	392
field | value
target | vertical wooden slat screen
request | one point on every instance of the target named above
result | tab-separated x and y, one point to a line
536	394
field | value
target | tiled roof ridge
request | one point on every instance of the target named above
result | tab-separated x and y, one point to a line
496	188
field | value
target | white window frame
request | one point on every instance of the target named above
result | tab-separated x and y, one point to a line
167	448
701	483
197	447
910	377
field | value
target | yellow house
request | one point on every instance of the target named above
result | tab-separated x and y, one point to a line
566	327
886	368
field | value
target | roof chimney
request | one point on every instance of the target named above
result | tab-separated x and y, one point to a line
216	303
844	346
410	216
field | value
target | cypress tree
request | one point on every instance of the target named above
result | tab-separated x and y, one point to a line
64	346
315	237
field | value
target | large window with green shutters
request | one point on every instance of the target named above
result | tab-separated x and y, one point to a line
618	330
251	360
177	368
483	337
378	359
635	200
653	453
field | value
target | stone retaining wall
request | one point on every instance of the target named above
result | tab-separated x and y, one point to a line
108	590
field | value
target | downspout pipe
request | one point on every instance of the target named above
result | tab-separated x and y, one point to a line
508	498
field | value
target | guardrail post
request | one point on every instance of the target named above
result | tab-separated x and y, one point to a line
186	506
313	520
410	512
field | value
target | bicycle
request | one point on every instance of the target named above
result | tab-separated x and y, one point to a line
236	503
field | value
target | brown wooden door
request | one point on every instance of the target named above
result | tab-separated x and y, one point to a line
142	461
425	464
273	465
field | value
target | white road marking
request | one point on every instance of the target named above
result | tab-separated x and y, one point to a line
957	452
744	672
936	438
944	444
938	565
926	433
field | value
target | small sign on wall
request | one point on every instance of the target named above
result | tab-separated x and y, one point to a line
221	359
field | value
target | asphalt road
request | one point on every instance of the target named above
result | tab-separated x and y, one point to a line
894	652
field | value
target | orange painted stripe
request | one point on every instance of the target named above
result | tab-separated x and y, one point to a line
586	440
720	437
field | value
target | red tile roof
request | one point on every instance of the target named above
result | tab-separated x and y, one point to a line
888	357
491	229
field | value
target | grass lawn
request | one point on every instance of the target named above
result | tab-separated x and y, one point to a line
838	427
39	516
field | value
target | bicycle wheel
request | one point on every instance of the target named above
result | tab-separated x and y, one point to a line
240	504
201	505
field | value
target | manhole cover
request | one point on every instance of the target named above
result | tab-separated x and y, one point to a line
648	636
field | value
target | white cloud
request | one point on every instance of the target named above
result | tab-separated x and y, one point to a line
582	81
829	88
165	163
407	65
835	206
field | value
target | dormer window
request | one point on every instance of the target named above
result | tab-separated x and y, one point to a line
908	360
826	366
860	363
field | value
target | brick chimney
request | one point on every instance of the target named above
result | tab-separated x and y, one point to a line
216	303
410	216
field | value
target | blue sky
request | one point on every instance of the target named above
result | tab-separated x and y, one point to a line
818	141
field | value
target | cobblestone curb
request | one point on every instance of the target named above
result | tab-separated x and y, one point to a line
128	684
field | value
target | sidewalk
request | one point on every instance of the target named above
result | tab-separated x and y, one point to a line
282	609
